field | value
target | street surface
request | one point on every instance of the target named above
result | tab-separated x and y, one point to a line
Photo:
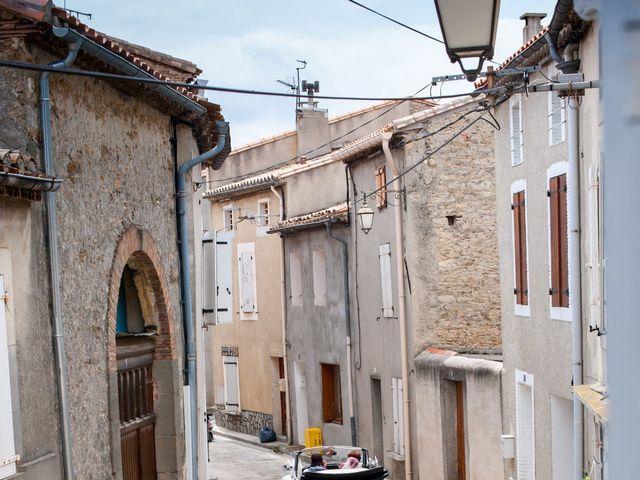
234	460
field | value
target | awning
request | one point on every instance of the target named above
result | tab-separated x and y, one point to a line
594	398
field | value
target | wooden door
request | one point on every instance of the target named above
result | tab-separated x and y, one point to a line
137	416
283	398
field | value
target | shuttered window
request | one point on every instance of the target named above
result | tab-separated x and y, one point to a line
231	384
295	278
518	206
224	300
556	119
525	437
385	280
517	136
381	181
331	393
559	243
247	278
398	416
7	442
319	278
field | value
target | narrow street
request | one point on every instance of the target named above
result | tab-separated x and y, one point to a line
235	460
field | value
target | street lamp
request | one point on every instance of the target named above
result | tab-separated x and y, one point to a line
365	215
469	30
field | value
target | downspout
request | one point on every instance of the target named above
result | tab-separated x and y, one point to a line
185	282
54	260
283	301
347	315
399	244
558	21
575	285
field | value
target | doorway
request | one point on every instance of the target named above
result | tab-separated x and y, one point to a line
377	447
302	408
453	429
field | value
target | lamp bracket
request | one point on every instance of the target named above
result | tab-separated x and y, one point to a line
497	73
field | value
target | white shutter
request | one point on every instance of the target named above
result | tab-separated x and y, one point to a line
209	278
525	439
319	278
516	130
224	302
385	280
398	416
7	445
231	384
295	278
247	277
556	119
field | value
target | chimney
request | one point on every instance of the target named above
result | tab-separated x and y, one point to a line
532	25
312	125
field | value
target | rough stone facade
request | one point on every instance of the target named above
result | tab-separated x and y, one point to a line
451	236
114	154
245	422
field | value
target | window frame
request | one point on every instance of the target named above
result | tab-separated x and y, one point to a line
228	223
263	220
516	100
558	312
381	181
333	392
522	310
562	124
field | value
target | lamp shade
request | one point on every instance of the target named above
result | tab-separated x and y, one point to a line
365	216
469	30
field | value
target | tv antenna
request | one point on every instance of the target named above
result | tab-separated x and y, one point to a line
294	84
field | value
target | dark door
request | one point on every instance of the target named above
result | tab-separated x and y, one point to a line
283	398
453	430
376	412
137	416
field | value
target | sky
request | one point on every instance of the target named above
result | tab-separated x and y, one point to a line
251	44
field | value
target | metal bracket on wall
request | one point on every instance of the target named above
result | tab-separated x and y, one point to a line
497	73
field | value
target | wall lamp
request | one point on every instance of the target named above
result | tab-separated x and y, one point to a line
365	217
469	31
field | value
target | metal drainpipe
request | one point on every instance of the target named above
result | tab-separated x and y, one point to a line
575	300
285	356
399	243
347	314
185	284
52	233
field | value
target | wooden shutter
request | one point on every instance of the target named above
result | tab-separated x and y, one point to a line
398	415
231	384
295	278
557	193
7	444
556	119
319	278
520	248
385	280
381	181
525	439
516	131
224	300
247	277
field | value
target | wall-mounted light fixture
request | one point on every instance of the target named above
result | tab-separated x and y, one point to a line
469	31
365	217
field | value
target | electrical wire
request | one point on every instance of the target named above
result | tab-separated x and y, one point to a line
396	21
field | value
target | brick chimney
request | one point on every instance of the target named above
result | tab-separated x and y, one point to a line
532	25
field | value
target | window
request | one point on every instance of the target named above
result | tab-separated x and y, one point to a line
224	284
331	394
558	241
525	437
7	442
517	137
247	279
129	317
263	213
231	384
556	119
381	181
295	277
319	278
521	287
385	279
398	416
227	218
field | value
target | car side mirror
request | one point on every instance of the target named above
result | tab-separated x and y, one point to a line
286	467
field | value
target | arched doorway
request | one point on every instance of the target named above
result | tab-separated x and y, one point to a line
143	365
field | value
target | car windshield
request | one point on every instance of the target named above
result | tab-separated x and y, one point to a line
333	457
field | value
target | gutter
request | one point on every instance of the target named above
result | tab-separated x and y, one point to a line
54	260
29	182
185	282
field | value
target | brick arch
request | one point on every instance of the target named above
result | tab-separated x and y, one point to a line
138	245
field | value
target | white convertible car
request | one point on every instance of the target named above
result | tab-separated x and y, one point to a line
336	465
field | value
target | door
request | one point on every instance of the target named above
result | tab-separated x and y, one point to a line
376	420
453	430
137	416
561	437
302	409
283	397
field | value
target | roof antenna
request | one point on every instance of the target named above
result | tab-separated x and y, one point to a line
304	65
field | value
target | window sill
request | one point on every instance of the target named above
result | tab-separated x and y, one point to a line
395	456
560	313
522	310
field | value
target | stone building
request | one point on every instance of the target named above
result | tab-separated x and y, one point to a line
91	334
549	207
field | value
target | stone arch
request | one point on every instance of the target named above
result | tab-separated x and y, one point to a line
137	249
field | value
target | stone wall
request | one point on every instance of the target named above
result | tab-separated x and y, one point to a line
245	422
451	235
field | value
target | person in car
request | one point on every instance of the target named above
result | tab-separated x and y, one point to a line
317	463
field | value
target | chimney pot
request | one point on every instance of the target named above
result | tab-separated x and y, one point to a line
532	25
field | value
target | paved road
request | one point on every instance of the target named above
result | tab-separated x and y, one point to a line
234	460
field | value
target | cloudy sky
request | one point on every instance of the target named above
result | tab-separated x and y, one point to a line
252	43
